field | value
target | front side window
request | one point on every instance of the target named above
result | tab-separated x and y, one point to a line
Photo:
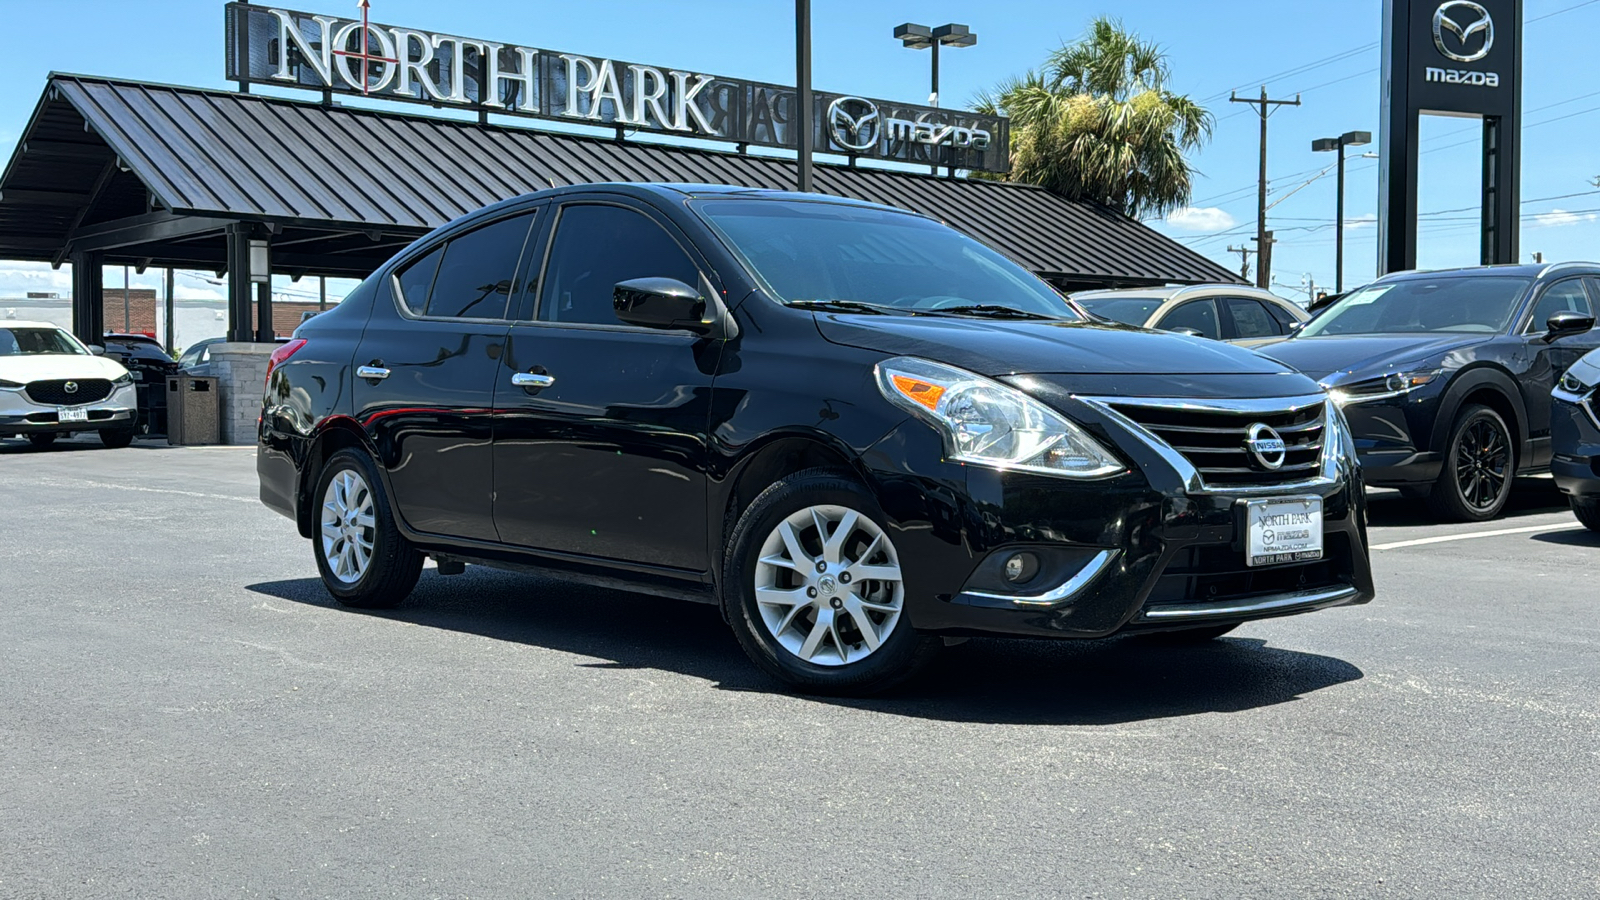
1467	304
820	251
37	342
1251	319
476	271
1201	315
597	246
1563	296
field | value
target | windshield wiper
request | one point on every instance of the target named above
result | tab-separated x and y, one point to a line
992	311
851	306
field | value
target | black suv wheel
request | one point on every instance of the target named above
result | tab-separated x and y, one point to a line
1588	512
1479	468
364	560
42	439
812	585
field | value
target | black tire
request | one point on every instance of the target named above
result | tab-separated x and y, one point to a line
116	438
1588	512
42	439
899	656
1190	636
1480	466
394	565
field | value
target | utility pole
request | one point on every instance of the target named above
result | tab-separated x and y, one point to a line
1264	109
802	94
1244	260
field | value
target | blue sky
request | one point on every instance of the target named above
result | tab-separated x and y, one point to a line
1213	48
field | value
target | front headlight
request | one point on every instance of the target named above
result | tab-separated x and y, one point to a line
1572	384
10	385
990	424
1397	384
125	378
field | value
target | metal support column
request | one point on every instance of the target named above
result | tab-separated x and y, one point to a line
802	97
88	297
239	326
1502	207
171	313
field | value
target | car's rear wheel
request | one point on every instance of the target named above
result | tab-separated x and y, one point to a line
42	439
364	560
815	590
1479	468
1588	512
116	438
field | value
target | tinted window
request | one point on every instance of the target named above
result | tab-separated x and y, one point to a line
1127	310
1471	304
416	280
596	247
1285	318
1251	319
32	341
475	275
808	250
1563	296
1200	315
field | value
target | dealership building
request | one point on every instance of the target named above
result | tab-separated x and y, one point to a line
118	172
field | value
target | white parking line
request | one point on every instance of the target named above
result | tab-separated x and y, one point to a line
50	482
1444	539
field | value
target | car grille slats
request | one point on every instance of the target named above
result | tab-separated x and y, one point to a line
1214	441
54	392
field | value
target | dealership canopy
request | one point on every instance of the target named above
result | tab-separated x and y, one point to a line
122	172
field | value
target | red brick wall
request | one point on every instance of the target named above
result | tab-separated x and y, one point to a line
142	304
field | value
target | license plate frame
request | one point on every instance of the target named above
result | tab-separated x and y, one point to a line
72	415
1283	530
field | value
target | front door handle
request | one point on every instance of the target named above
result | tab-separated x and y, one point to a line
373	373
532	380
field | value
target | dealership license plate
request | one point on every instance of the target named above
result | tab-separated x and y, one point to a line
72	415
1283	530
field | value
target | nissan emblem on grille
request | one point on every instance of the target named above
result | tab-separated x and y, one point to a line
1266	445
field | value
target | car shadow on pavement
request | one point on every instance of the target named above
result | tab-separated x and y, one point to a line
1529	497
983	680
1574	537
88	442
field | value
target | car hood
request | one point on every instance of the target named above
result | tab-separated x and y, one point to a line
997	348
1333	358
49	366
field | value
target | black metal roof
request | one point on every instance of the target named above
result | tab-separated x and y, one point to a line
98	150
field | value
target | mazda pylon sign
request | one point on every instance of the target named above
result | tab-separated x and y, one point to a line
1453	58
337	55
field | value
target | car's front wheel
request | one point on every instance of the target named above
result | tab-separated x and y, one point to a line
364	560
815	588
1588	512
1479	468
116	438
42	439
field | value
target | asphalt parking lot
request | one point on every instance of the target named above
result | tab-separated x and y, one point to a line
185	713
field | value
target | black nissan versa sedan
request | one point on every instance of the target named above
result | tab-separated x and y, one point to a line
1446	376
853	428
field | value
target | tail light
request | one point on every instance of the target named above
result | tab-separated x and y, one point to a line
282	354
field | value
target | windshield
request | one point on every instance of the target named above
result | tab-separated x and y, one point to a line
36	341
1468	305
1127	310
809	251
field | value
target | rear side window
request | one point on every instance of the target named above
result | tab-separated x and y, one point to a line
1563	296
597	246
476	271
1250	318
417	279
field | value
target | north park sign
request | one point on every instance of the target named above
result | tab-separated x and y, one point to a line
337	55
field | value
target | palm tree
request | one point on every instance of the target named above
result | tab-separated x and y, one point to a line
1097	123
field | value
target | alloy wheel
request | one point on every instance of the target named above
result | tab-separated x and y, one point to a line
1483	458
348	526
828	585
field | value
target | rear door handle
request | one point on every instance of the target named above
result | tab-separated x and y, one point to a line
532	380
375	373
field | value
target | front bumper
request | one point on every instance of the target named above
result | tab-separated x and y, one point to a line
1575	445
19	415
1170	556
1391	451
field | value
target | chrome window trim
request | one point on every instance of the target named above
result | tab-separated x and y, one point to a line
1192	481
1063	592
1271	603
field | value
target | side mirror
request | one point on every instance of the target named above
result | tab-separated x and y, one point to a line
1191	332
662	303
1567	324
1296	326
97	350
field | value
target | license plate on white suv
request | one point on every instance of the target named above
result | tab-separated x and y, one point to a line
1283	530
66	414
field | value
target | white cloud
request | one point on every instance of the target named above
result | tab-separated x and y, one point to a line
1557	218
1208	218
1366	221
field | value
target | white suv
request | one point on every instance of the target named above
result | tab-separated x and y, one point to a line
51	384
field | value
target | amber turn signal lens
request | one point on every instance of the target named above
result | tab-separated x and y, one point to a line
922	392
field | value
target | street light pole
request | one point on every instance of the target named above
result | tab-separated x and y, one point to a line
921	37
802	97
1337	145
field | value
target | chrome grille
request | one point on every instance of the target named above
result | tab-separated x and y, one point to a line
1214	441
54	392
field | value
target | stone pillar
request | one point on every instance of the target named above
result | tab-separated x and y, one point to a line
241	371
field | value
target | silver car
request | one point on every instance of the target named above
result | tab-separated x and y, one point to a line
1221	312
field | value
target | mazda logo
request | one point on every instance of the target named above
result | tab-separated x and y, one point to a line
70	387
854	123
1266	445
1463	19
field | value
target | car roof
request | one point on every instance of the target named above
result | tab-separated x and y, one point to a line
24	323
1173	291
1525	270
676	192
